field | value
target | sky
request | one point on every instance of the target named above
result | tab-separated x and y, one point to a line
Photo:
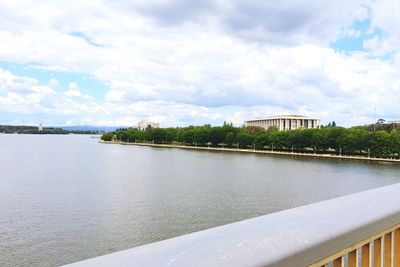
189	62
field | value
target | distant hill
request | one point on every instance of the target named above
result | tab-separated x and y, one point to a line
81	129
92	128
78	129
22	129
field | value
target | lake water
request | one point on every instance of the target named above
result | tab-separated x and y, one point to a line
69	198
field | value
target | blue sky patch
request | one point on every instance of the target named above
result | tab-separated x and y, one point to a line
86	38
354	43
87	84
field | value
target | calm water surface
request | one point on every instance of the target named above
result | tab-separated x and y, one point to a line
68	198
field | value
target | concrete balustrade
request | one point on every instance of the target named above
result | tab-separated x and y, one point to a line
380	250
354	229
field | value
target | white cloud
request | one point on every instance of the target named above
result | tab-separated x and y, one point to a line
53	83
385	16
42	101
73	90
183	62
9	82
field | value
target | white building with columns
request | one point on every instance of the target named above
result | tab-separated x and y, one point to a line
285	122
144	125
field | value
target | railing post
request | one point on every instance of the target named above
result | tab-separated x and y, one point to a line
378	252
388	249
337	262
396	248
365	255
352	259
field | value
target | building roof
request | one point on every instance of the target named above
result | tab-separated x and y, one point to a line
283	117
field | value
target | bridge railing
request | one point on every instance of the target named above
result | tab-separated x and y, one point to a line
380	250
362	229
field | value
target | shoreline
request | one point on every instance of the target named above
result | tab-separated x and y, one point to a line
267	152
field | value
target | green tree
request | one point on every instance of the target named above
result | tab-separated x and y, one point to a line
319	139
356	140
278	139
188	136
379	143
107	136
335	137
244	139
230	139
123	136
216	135
394	142
254	129
261	140
272	129
171	135
158	135
201	135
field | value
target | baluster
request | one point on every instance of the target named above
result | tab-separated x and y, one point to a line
388	250
352	259
378	252
396	248
337	262
365	255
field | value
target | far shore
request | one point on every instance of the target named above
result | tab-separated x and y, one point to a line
269	152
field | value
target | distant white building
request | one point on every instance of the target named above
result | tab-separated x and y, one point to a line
144	124
285	122
40	127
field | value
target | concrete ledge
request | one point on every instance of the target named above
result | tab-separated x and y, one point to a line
290	238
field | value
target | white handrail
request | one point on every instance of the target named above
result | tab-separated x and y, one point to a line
290	238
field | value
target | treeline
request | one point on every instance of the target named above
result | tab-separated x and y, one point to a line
382	125
11	129
335	140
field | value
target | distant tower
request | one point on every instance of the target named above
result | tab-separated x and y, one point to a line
40	127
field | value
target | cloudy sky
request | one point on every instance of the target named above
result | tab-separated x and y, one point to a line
182	62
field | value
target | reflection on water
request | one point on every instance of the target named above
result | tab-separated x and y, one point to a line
68	198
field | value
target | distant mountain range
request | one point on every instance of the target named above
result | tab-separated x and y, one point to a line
92	128
79	129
